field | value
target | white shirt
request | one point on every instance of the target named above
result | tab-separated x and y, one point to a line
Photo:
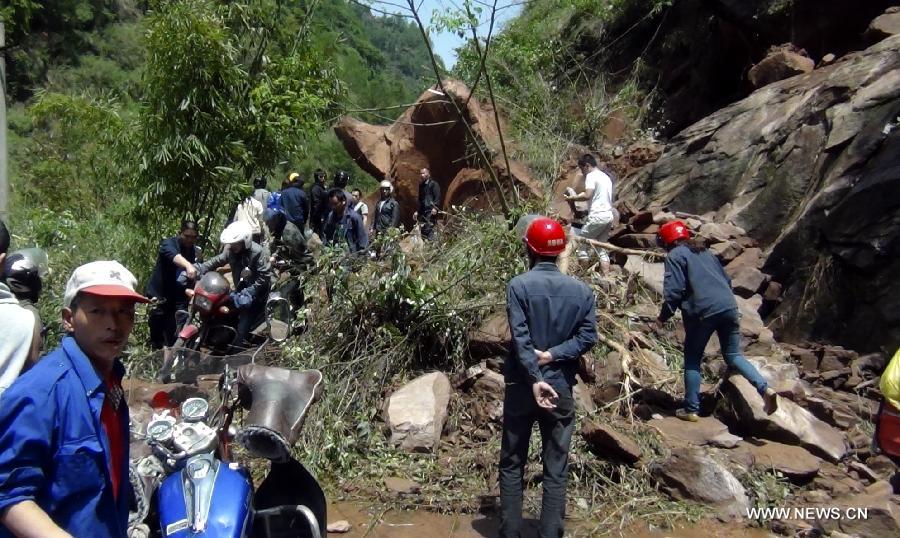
362	208
16	332
602	200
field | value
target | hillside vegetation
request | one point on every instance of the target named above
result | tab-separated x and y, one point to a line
126	116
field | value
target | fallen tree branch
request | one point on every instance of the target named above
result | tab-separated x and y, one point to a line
622	250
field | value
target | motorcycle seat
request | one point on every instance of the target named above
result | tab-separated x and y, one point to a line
278	400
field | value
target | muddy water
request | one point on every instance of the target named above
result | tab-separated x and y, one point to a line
370	523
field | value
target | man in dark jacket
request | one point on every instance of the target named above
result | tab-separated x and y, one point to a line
294	202
175	255
344	227
318	195
429	204
387	210
251	290
552	321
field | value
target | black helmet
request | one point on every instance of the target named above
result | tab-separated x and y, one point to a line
341	178
23	271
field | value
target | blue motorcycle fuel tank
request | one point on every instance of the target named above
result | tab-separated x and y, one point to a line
208	498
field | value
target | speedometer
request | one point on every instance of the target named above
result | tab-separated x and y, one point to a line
160	430
194	409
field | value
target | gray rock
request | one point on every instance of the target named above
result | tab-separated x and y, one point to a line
790	424
726	251
807	166
689	474
650	273
416	413
884	25
747	281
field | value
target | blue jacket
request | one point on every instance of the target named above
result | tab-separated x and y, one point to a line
695	282
347	229
553	312
54	451
293	200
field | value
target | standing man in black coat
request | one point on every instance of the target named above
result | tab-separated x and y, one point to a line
552	321
429	204
318	195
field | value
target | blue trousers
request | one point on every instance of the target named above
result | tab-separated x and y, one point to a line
520	412
697	334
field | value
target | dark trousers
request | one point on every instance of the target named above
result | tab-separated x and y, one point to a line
248	319
165	320
520	412
427	222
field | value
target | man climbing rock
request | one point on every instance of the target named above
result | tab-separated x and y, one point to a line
552	321
696	282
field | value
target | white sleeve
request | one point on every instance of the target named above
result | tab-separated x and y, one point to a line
365	208
590	182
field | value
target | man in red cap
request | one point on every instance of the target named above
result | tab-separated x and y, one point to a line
552	321
64	423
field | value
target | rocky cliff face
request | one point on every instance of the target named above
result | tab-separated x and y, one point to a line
810	167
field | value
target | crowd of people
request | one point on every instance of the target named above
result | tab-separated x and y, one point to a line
64	422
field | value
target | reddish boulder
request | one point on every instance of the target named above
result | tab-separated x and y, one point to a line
781	63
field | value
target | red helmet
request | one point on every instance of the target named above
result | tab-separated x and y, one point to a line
545	237
673	231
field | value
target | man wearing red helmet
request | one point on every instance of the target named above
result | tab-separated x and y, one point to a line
552	321
696	282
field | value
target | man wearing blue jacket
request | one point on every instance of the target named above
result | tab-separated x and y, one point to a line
552	321
64	423
696	283
294	201
344	227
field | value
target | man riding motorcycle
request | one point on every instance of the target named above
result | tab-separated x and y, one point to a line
251	272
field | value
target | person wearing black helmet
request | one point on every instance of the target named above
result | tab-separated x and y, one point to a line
22	274
19	330
341	179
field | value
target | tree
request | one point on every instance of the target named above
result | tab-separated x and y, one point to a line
225	97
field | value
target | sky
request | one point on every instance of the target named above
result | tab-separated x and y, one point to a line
446	42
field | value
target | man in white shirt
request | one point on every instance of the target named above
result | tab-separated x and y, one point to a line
598	191
20	334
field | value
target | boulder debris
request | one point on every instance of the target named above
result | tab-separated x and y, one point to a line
416	413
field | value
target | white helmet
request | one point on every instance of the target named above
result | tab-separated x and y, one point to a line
386	185
236	232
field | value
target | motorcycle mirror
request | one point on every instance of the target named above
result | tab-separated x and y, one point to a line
278	318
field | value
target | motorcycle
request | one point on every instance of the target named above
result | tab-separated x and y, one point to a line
211	317
199	489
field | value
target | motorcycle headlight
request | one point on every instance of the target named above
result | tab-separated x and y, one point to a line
203	303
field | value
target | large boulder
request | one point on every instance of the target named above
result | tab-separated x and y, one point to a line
416	413
650	273
790	424
430	134
808	167
689	474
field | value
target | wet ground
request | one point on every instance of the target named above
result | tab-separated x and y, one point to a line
371	523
